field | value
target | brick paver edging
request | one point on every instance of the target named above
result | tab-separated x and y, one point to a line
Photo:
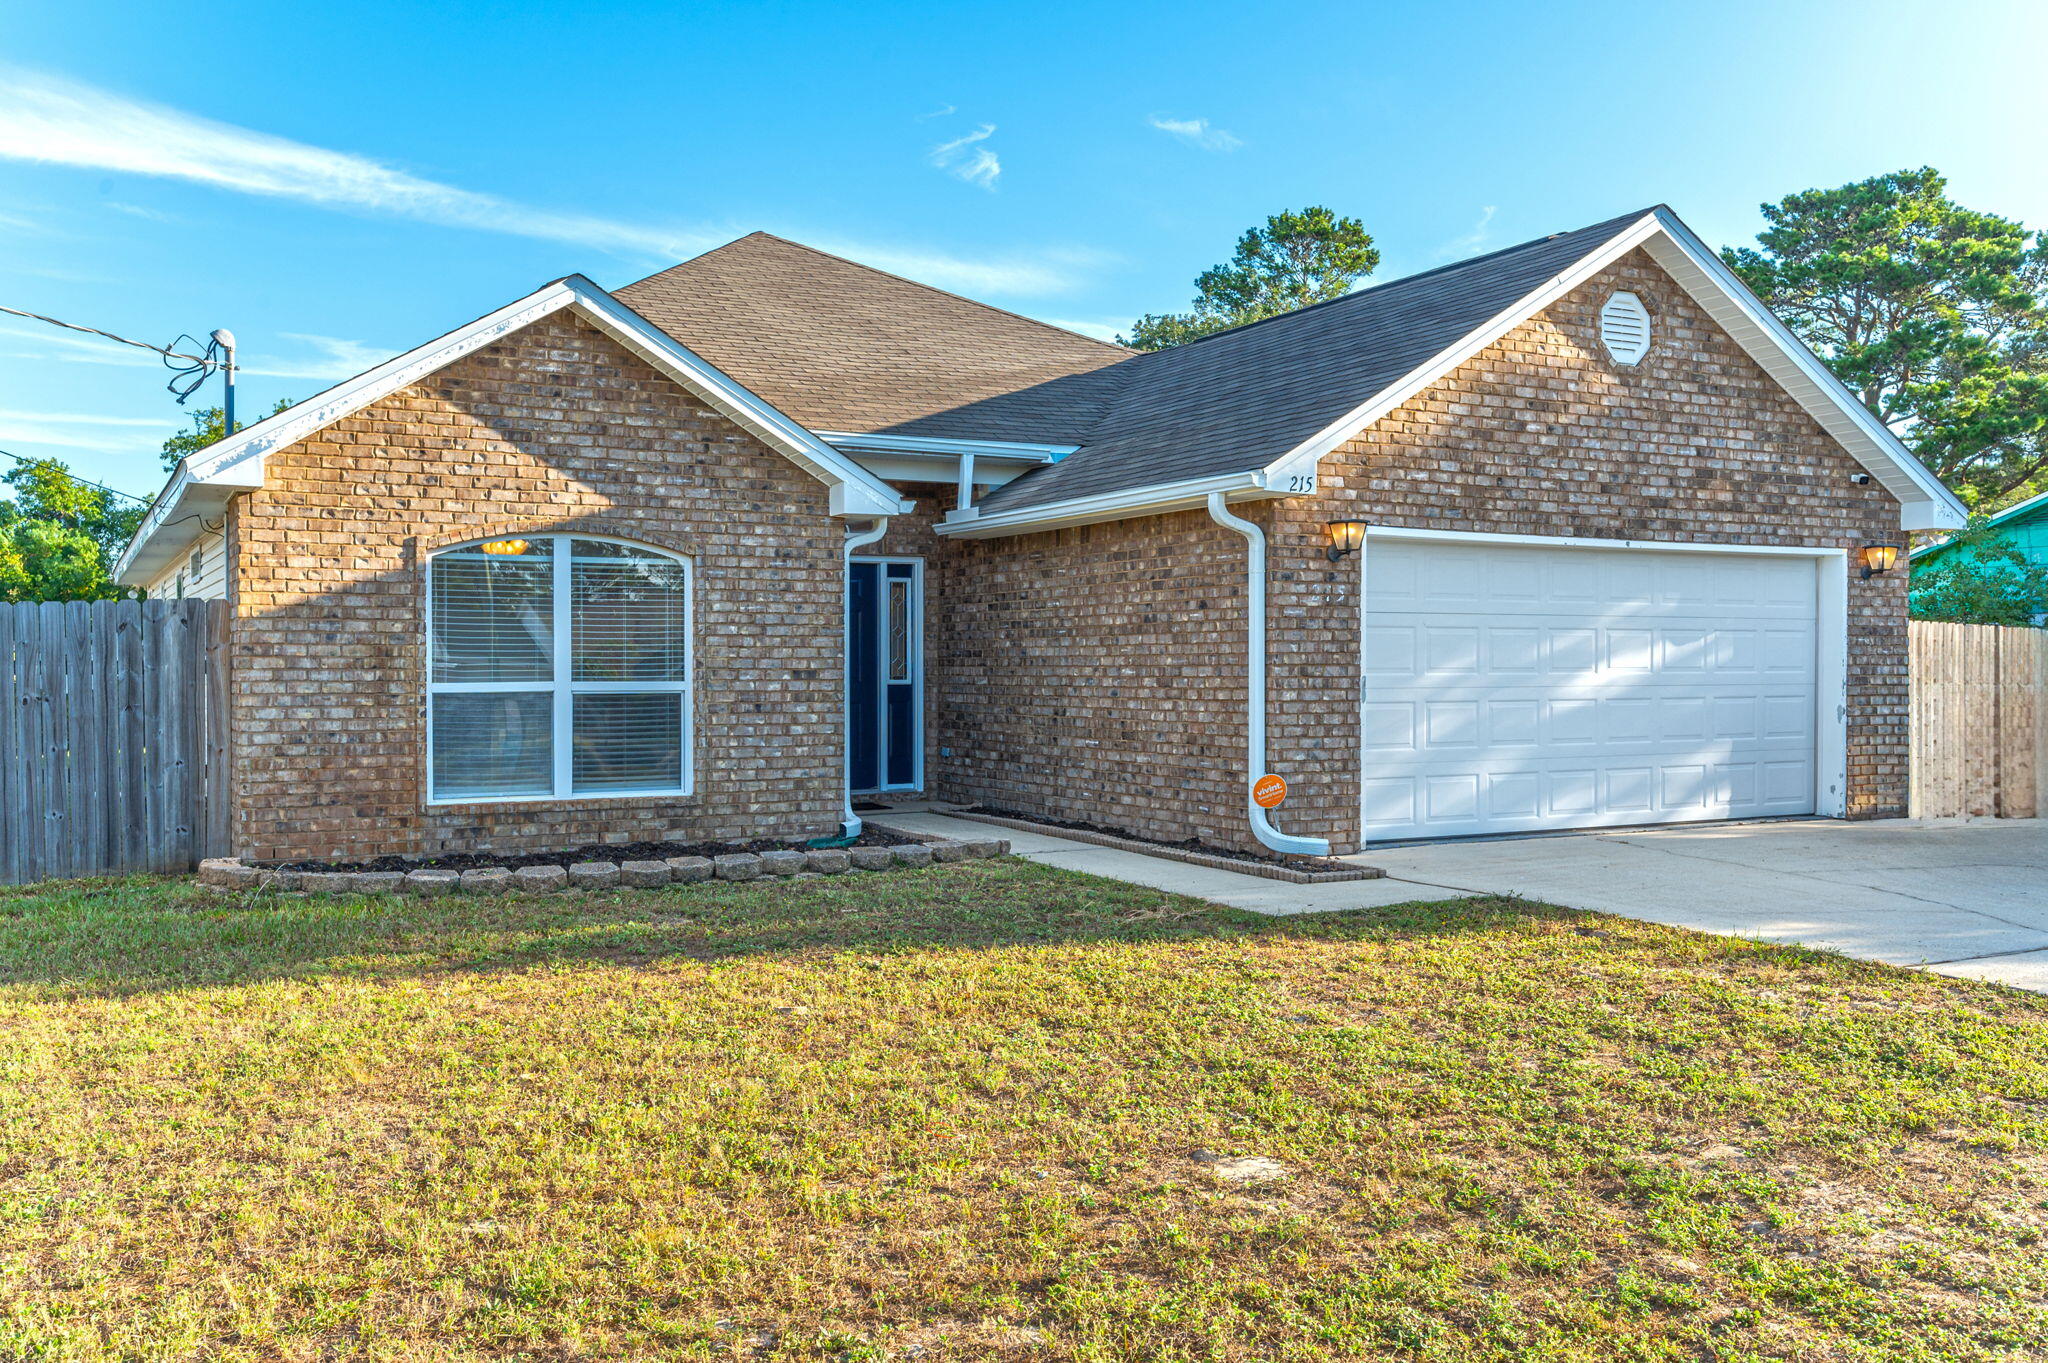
1269	869
230	873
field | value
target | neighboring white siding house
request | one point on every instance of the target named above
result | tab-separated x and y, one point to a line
202	571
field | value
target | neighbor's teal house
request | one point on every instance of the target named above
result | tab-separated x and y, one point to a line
2024	527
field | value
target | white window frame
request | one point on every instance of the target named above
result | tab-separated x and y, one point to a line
563	687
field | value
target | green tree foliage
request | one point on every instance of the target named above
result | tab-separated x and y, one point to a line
207	426
59	537
1294	260
1983	580
1931	312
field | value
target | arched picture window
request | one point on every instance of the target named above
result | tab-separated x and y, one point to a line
558	665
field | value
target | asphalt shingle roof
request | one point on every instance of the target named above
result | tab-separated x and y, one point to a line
839	346
842	347
1240	399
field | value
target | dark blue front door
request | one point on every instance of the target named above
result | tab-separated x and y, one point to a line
884	650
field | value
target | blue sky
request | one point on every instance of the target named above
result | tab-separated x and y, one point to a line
339	183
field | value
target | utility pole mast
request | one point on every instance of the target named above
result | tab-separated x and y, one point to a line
225	339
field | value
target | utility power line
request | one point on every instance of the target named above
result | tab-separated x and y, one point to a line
139	345
110	491
218	356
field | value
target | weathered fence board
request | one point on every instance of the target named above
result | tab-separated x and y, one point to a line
1980	720
113	737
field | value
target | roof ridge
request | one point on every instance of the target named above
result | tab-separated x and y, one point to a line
1125	351
1412	278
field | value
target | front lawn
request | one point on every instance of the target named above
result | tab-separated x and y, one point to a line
973	1113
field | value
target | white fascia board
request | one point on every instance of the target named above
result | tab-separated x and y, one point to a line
238	460
1029	451
1271	480
153	521
2016	509
176	519
1156	500
1924	503
1303	458
855	491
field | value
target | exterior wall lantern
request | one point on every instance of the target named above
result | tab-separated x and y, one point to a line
1879	558
1345	537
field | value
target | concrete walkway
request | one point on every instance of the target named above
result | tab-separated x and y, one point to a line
1256	893
1960	898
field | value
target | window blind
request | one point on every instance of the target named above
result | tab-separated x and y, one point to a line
628	741
493	615
533	635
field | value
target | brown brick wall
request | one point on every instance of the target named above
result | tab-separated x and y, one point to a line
555	428
1101	669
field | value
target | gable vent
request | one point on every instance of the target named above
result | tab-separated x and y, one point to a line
1625	328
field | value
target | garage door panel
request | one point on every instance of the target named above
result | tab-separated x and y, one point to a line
1512	689
1561	793
1561	649
1484	579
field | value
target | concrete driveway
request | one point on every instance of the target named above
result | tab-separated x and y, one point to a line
1961	898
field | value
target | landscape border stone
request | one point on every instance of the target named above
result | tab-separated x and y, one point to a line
231	873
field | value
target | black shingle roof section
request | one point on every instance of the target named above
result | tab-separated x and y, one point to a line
1240	399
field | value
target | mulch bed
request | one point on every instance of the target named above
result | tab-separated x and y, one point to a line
1185	844
608	851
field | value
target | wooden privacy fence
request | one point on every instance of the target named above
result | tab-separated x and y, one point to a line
1980	720
113	737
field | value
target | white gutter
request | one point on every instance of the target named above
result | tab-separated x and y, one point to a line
849	822
1152	500
1255	683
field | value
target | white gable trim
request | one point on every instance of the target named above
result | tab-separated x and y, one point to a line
1924	503
1301	461
237	461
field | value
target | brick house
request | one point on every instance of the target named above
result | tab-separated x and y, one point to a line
1569	535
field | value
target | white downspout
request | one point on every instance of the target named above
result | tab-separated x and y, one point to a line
849	822
1255	683
966	490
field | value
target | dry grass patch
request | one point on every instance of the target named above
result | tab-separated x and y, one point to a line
985	1111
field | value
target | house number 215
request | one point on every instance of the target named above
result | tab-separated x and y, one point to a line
1301	482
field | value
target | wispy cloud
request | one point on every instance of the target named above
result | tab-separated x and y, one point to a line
332	358
140	211
59	122
939	112
82	431
968	159
54	121
1472	240
1197	132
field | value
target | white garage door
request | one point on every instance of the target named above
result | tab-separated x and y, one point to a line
1512	688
